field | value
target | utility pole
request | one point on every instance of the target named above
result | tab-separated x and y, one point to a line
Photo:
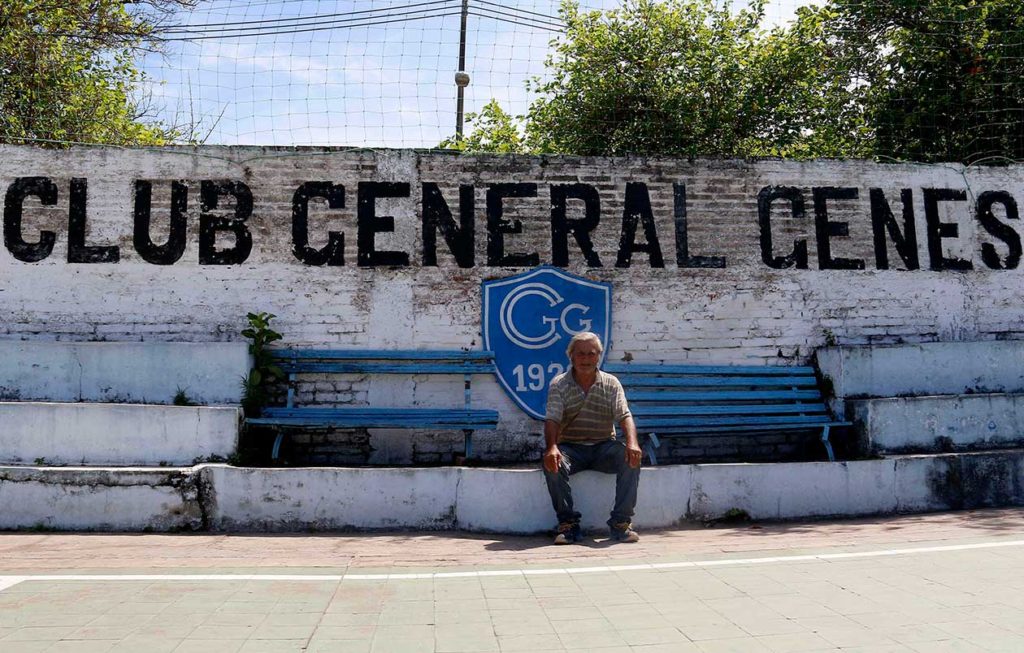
461	76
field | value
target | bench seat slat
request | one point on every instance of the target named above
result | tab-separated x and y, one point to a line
729	409
705	370
732	428
642	396
640	381
654	423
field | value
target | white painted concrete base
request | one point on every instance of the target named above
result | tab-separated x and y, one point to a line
115	434
81	498
930	424
210	373
220	497
923	369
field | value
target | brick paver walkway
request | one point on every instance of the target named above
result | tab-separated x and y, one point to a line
943	582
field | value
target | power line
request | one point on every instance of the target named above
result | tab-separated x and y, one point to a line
188	27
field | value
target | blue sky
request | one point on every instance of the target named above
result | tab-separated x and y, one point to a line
306	80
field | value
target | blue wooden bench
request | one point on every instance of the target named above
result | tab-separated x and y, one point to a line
366	362
677	400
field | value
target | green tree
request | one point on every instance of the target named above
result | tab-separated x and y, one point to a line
494	130
68	72
938	80
687	77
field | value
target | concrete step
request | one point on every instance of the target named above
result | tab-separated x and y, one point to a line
940	423
937	368
225	498
125	372
115	434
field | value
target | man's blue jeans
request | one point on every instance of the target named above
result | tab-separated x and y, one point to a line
608	457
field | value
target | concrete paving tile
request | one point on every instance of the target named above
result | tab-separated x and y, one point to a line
40	620
83	646
25	647
209	631
945	646
39	633
339	646
851	637
146	644
462	617
273	646
345	632
631	619
209	646
650	636
283	632
549	642
702	632
588	640
235	619
594	624
735	645
760	627
915	633
531	626
103	632
794	642
401	645
349	619
293	618
878	648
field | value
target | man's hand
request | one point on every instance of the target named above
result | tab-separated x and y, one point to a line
633	454
552	459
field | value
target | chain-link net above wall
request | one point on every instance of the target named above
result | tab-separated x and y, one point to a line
929	80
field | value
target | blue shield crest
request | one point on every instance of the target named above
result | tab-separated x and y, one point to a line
528	320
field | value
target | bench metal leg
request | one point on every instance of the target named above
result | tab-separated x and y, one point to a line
652	445
469	441
276	451
828	445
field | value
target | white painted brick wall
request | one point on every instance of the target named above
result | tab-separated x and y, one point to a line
744	313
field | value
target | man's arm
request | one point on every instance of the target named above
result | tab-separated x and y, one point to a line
633	451
552	455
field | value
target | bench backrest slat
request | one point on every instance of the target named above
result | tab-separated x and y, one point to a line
729	409
382	354
641	381
720	396
706	370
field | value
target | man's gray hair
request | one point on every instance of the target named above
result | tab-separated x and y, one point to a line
585	336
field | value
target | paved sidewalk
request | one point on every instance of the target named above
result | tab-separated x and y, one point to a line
943	582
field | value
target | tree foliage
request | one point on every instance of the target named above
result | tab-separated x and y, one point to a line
939	80
685	77
68	72
493	130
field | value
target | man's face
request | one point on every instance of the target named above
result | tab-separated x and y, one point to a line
585	356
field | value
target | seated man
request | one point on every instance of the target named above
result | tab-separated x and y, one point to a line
583	406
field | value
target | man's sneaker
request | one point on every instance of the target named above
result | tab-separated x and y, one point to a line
568	534
624	532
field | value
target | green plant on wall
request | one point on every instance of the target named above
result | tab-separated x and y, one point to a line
264	372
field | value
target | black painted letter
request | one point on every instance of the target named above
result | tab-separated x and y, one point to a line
78	251
638	207
938	230
883	220
438	217
15	243
824	228
210	224
683	258
769	194
580	228
1000	230
333	253
497	226
171	251
371	224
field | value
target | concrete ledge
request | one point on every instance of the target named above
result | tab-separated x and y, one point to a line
69	498
940	423
226	498
115	434
125	372
935	368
